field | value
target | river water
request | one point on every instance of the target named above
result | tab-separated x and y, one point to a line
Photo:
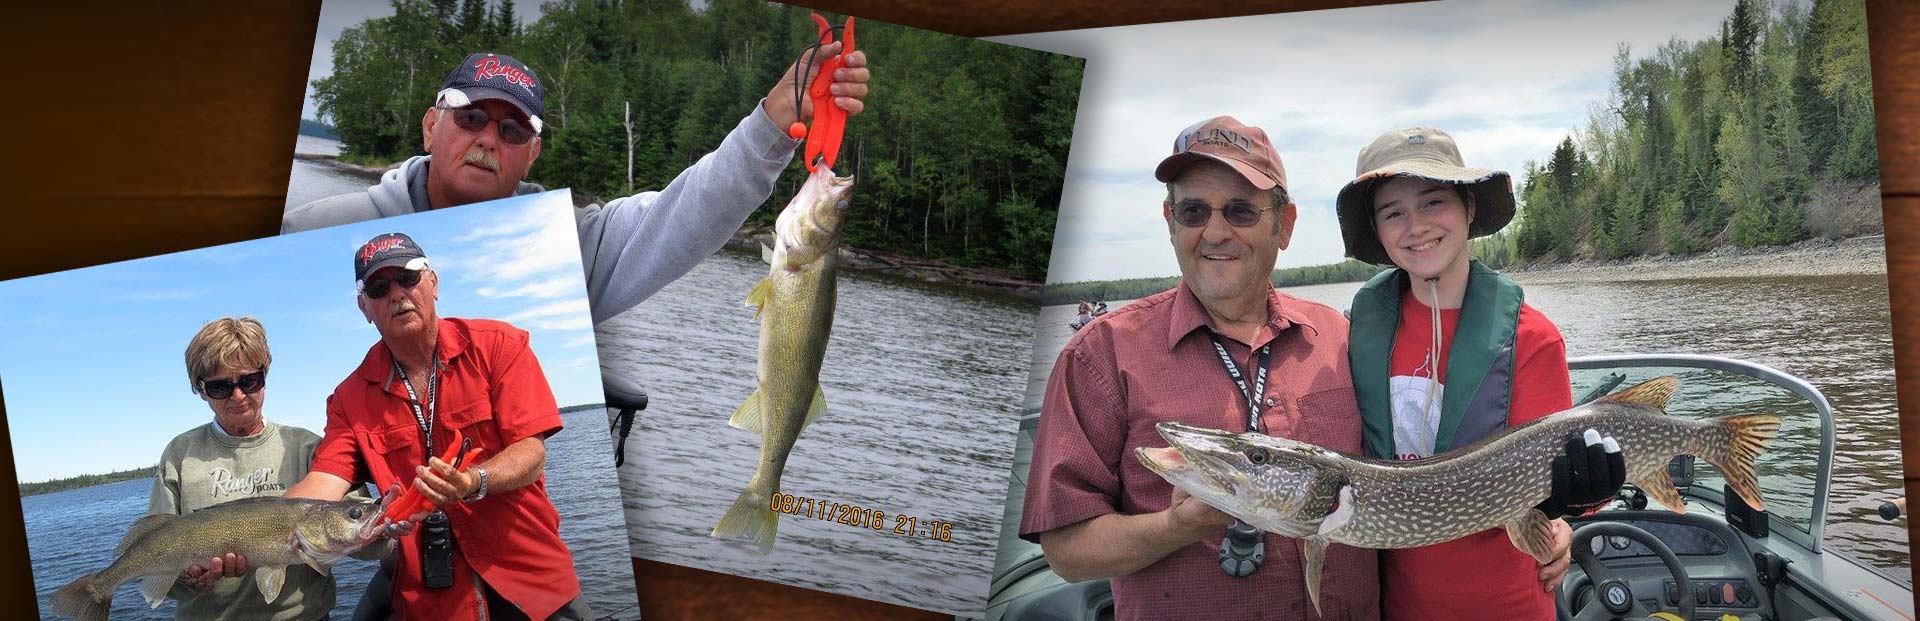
73	532
1833	331
923	386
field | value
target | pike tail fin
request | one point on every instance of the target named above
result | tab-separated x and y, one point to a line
1734	444
77	600
751	519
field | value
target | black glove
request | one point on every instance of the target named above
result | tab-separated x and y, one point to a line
1586	477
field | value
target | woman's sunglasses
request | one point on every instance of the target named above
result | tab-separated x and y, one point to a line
474	119
377	288
222	388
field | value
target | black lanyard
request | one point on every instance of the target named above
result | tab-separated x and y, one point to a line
1259	379
413	400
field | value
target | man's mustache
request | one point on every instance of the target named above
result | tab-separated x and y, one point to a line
481	158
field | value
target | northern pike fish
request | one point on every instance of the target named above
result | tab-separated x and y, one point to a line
271	532
1300	490
795	306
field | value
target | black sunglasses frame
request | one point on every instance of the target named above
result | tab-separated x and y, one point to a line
377	288
513	131
223	388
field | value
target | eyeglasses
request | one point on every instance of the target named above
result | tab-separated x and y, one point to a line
377	288
1195	214
222	388
474	119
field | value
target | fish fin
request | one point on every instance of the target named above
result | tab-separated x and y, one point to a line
761	294
818	407
766	254
140	528
1342	513
751	519
155	588
748	415
1532	532
270	579
1313	552
300	552
1652	393
1659	485
1748	435
77	600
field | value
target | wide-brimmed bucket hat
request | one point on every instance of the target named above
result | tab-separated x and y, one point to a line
1425	153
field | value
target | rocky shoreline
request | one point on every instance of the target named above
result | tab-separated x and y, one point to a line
1815	257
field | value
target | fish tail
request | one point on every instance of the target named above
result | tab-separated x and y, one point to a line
1735	443
77	600
751	519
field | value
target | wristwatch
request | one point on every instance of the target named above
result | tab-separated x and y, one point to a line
478	493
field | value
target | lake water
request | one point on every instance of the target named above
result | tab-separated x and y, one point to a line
923	387
311	181
73	532
1833	331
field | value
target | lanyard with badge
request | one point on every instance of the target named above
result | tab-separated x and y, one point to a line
436	533
1243	550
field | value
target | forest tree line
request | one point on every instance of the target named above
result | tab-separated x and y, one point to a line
958	156
1708	143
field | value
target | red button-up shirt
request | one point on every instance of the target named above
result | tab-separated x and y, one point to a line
1152	361
492	390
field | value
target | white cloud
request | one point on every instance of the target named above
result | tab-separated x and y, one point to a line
538	289
1508	79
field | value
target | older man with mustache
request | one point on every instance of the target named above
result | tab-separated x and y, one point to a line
485	127
492	550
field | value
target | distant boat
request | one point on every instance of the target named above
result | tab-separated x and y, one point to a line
1099	308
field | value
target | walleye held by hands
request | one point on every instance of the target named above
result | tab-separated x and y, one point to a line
1300	490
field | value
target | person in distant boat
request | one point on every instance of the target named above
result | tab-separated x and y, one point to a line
482	136
239	454
1445	352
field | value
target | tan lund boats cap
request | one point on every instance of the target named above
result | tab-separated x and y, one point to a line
1426	153
1225	139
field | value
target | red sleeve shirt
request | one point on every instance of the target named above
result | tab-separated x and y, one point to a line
492	390
1150	362
1424	583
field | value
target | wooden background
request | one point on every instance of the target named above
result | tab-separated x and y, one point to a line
148	128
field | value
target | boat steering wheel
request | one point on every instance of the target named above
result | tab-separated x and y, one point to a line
1611	598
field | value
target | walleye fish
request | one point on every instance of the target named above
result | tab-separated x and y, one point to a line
795	307
1300	490
272	532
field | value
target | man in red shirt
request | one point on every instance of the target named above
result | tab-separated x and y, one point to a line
1094	509
493	548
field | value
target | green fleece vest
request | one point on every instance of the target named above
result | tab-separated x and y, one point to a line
1479	382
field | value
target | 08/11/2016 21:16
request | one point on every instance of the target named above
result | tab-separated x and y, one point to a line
859	517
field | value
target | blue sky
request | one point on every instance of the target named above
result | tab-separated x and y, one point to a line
94	375
1508	79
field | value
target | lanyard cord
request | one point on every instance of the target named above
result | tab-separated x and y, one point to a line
413	400
1259	382
799	81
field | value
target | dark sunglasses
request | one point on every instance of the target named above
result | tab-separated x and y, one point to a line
474	119
250	383
1195	214
377	288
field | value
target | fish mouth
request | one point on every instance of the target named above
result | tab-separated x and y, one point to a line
1194	454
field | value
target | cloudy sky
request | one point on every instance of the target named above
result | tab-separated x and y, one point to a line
94	374
1509	80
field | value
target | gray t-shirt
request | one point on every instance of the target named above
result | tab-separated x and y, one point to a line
633	246
202	468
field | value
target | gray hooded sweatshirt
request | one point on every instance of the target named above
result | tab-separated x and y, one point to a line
634	245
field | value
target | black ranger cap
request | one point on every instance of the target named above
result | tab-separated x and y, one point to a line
498	76
384	250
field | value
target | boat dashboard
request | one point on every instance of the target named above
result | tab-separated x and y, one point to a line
1724	577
